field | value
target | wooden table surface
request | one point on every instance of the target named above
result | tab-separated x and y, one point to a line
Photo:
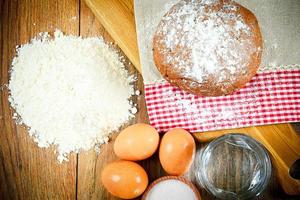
29	172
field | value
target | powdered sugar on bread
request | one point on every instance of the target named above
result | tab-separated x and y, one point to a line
205	41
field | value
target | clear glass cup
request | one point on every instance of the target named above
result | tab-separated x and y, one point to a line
233	166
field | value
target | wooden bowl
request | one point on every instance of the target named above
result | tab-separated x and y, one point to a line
179	178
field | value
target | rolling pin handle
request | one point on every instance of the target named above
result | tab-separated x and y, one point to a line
295	170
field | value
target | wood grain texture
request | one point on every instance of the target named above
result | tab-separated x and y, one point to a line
28	172
122	27
90	164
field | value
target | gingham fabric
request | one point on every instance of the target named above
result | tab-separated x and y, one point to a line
270	98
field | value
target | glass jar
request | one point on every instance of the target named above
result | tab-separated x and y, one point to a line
233	166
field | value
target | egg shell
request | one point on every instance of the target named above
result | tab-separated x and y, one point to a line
124	179
177	151
136	142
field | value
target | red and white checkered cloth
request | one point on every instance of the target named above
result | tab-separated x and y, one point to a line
270	98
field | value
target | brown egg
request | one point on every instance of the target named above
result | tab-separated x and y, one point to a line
136	142
177	151
124	179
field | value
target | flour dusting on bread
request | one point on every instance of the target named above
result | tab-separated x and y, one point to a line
207	41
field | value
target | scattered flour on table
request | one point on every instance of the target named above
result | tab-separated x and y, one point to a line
69	91
193	110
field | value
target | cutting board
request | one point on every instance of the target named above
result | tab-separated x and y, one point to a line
282	141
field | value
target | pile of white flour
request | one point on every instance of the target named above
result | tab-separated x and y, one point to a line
70	91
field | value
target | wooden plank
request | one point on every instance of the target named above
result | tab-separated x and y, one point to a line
117	17
27	171
283	154
90	164
88	167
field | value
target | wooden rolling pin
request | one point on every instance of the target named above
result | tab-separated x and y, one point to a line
117	17
282	141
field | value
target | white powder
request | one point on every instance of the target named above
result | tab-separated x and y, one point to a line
137	92
70	92
189	105
171	190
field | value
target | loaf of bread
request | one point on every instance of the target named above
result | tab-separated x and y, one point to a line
208	47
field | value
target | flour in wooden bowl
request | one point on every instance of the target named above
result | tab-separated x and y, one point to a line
69	91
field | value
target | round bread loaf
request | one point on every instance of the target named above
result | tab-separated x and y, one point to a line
208	47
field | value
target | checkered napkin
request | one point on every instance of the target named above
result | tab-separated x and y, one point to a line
270	98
